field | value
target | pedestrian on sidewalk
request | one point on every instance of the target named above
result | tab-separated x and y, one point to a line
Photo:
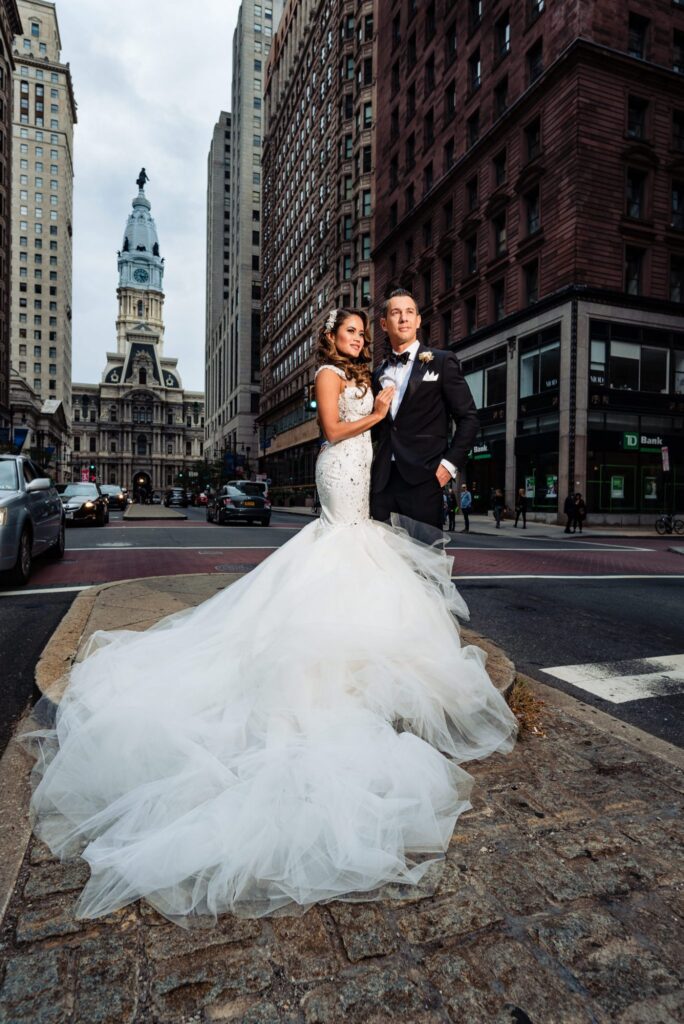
580	511
499	504
466	503
452	505
570	511
521	507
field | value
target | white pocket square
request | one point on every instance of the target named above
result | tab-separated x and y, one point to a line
431	376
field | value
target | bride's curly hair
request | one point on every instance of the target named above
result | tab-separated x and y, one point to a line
358	369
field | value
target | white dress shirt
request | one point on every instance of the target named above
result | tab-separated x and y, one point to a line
399	375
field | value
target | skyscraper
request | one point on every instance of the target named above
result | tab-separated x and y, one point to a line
10	25
318	202
42	203
235	347
217	293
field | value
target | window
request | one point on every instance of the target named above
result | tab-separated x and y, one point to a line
474	71
534	9
428	178
678	53
450	44
430	75
531	277
366	203
677	221
427	288
498	300
410	197
471	195
678	130
635	192
499	164
540	370
448	272
503	35
636	41
532	211
430	23
448	214
410	101
394	172
473	128
449	154
624	366
678	361
474	14
501	97
533	139
410	151
429	129
636	117
92	444
499	226
450	100
470	310
471	254
411	51
677	281
446	329
634	261
535	62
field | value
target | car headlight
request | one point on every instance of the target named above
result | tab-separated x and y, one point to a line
89	504
4	515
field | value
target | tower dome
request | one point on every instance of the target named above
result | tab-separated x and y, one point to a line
140	264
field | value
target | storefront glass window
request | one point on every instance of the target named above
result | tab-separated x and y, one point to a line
678	373
654	370
624	366
539	370
496	384
475	382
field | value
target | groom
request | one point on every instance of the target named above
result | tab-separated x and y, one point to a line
413	459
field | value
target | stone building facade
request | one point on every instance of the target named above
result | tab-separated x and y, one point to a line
138	427
530	193
42	206
10	25
318	167
218	278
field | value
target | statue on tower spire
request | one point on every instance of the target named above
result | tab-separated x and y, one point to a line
142	178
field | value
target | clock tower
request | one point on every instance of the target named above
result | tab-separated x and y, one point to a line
141	274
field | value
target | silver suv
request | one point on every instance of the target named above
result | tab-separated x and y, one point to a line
31	516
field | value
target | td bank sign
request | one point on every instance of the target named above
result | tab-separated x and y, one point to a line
642	442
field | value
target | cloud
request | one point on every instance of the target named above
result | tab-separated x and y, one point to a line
150	80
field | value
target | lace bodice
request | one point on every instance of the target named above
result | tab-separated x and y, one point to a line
343	468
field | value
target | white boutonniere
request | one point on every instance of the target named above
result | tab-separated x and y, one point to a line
426	357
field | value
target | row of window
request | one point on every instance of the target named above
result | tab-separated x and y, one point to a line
141	446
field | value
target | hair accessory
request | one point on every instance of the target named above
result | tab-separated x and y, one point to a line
330	322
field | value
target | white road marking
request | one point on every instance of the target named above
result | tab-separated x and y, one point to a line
621	681
175	547
47	590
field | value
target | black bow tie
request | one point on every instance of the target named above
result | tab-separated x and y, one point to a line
396	358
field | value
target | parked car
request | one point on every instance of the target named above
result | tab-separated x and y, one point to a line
156	498
31	516
115	495
259	487
176	496
84	503
231	504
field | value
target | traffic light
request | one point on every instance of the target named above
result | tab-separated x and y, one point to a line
93	473
310	403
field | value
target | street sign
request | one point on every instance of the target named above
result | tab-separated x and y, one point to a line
630	442
665	452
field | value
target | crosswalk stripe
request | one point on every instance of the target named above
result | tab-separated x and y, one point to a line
631	679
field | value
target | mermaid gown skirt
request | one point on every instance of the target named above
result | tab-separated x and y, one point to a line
294	739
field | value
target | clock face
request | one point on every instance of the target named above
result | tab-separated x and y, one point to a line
140	275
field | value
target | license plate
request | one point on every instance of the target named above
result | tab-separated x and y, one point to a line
69	515
251	504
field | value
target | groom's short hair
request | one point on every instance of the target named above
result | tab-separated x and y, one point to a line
395	295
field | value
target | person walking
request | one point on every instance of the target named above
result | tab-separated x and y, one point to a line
580	511
570	511
521	507
498	505
466	503
452	505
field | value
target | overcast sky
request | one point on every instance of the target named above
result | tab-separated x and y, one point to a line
150	78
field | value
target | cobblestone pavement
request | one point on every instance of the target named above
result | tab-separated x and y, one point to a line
559	902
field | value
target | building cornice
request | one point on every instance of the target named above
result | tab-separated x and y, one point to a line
51	65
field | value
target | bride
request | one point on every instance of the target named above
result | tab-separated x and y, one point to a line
297	737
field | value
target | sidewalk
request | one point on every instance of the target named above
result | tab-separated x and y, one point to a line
557	902
485	525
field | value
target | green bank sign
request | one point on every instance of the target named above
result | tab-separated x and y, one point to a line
642	442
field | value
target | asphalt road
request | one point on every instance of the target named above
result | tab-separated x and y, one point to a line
548	601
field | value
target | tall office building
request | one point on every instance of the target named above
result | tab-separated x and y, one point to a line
318	202
42	204
531	194
217	284
10	25
236	338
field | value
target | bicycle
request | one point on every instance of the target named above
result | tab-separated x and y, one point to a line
668	524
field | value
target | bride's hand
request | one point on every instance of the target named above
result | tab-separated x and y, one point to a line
383	400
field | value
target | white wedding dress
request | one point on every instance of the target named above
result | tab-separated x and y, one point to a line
283	743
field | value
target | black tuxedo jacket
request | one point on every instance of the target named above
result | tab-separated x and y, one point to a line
419	436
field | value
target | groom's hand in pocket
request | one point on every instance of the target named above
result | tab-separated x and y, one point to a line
443	475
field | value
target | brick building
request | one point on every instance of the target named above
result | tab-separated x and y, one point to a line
530	192
317	208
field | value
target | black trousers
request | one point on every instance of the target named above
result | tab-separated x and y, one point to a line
422	502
